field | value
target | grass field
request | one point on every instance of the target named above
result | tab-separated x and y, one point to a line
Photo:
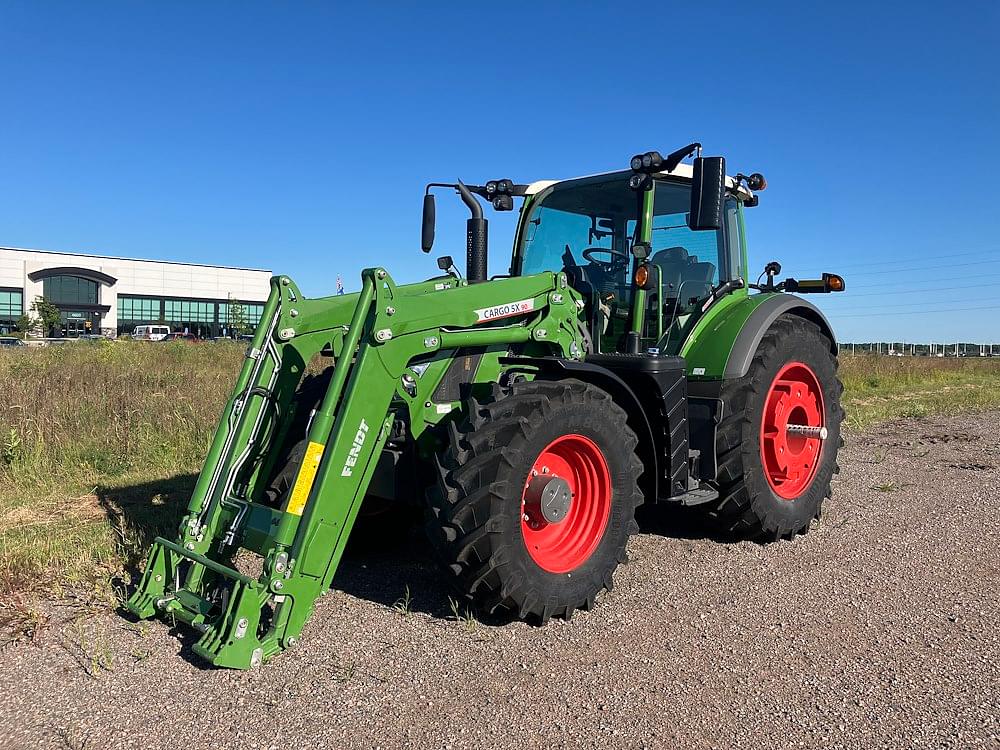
100	444
880	388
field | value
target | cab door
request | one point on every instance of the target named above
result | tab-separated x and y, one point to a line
687	265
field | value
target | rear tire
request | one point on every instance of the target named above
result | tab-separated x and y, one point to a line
502	550
773	483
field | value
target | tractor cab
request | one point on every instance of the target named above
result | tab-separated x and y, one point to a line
633	255
649	248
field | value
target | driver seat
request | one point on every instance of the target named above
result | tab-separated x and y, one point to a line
673	262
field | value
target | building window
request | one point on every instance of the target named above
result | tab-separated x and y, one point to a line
69	290
11	304
198	316
139	310
251	313
191	311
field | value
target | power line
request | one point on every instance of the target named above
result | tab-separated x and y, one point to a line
928	268
848	296
991	253
882	284
923	303
917	312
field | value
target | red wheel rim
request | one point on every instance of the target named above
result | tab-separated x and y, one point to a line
790	460
564	546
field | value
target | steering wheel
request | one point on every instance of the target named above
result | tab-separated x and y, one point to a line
616	257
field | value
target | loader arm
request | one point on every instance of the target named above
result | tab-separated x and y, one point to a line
375	337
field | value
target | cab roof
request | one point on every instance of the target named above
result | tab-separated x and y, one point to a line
683	171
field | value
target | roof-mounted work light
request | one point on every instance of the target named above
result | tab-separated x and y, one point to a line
652	161
501	194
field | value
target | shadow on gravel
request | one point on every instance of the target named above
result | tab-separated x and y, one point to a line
387	556
386	559
142	512
382	562
677	522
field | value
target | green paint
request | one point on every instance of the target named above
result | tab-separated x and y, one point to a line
377	337
638	316
707	347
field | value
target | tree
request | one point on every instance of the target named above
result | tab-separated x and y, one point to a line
44	316
237	316
24	323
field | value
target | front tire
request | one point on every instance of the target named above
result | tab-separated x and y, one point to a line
772	479
536	498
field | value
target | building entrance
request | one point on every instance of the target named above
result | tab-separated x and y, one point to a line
77	323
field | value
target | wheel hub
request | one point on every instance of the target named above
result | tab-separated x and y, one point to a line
565	503
548	498
792	430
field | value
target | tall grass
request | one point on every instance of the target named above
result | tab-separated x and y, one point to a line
96	442
879	388
100	444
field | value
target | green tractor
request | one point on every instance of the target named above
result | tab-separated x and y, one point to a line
623	360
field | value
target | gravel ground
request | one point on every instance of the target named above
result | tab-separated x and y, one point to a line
877	629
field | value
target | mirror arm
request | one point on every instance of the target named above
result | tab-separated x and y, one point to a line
672	160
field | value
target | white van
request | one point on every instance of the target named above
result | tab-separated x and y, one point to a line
150	333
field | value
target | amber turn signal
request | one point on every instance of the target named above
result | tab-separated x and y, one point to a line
644	277
641	275
833	282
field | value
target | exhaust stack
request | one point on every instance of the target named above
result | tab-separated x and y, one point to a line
476	237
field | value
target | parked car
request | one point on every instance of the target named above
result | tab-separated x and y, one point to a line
11	341
178	336
151	333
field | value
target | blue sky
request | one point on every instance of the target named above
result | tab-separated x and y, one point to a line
298	136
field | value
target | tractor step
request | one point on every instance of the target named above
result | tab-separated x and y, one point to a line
697	496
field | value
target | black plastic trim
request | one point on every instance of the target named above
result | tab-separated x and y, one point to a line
760	321
84	273
82	307
705	389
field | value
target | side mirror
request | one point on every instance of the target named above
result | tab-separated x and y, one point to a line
708	192
427	225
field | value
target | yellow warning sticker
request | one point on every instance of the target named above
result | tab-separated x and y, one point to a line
304	481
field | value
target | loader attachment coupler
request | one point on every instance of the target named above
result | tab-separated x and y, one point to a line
297	536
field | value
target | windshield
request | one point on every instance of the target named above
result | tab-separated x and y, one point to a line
568	219
587	228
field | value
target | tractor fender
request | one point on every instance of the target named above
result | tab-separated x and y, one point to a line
622	395
760	320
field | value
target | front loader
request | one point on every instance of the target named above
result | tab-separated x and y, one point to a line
622	361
